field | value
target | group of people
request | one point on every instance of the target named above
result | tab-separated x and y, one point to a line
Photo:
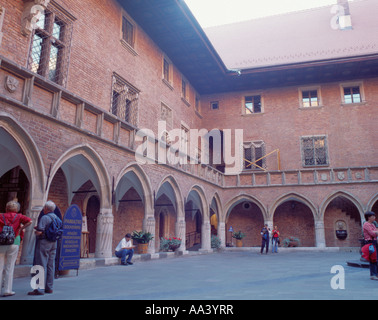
45	250
266	235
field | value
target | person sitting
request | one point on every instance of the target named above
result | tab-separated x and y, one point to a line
125	249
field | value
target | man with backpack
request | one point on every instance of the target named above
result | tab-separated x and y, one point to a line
48	231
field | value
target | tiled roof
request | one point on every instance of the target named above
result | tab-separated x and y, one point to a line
297	37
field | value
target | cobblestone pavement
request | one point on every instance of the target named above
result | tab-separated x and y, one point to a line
219	276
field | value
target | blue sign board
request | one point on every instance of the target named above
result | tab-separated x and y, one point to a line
231	229
71	240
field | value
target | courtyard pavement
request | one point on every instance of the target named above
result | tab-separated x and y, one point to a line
245	275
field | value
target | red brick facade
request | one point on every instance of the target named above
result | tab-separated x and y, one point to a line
73	150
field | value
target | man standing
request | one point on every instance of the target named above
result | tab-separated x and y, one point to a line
46	251
265	239
125	249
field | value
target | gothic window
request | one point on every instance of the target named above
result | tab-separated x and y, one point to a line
314	151
125	98
253	152
50	47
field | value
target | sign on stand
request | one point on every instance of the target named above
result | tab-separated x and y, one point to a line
71	240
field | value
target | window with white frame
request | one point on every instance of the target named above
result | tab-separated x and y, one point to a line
253	104
310	97
352	93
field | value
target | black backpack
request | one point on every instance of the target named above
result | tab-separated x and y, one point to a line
7	236
54	231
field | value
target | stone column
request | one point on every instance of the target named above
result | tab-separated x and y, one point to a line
149	226
320	234
222	233
104	236
181	233
28	243
206	236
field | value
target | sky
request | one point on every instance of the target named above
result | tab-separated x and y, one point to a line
211	13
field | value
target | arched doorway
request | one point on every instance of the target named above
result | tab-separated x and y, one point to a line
168	200
342	223
245	215
93	209
194	220
86	176
294	218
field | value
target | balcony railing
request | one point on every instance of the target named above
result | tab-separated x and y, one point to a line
318	176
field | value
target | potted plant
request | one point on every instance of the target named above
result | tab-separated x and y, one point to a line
239	238
291	242
142	239
172	244
215	242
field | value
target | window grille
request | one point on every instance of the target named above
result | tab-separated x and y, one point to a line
50	48
125	98
315	151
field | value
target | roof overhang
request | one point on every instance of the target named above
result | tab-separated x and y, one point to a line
172	26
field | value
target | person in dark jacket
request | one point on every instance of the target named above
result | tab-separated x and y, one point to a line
45	255
265	239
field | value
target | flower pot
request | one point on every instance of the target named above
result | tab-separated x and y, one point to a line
174	248
239	243
293	244
142	248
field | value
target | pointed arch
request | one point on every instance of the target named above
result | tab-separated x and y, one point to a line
171	189
242	198
85	160
200	200
216	205
345	195
137	178
371	203
28	155
294	197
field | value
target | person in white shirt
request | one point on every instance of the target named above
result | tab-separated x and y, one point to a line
125	249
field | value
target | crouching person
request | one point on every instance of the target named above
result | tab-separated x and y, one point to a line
125	249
